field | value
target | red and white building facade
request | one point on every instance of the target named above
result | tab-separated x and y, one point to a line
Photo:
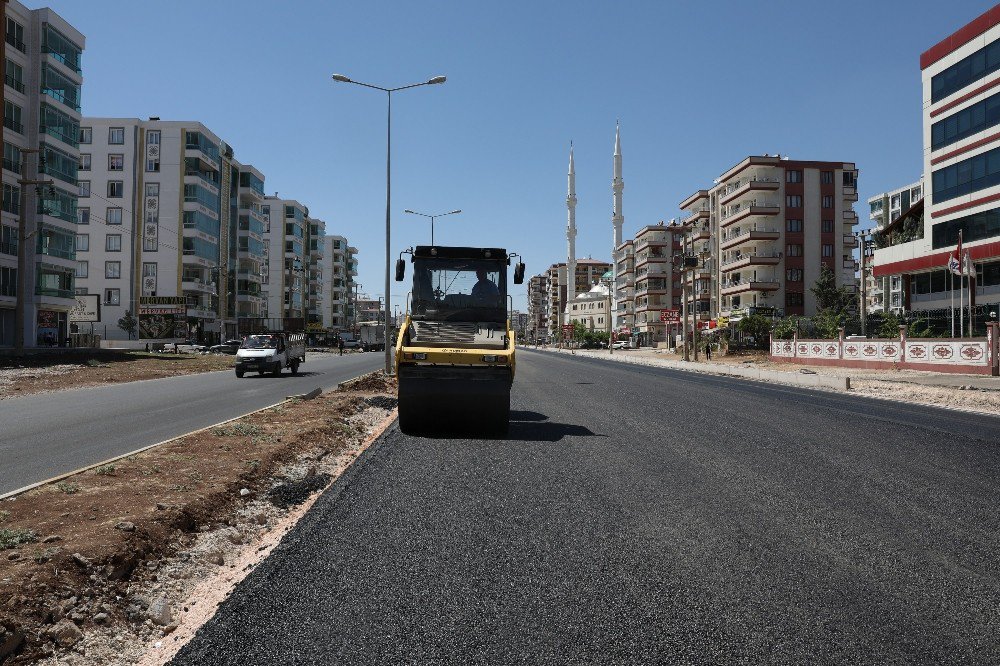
763	232
961	137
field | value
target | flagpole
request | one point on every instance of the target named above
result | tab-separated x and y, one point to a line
961	303
951	299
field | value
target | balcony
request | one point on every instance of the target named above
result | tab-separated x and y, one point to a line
646	243
11	124
850	240
850	193
729	287
749	209
751	185
206	161
851	265
700	214
850	217
751	236
750	259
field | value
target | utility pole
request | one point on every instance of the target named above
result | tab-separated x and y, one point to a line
22	247
684	300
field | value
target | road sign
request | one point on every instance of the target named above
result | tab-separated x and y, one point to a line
670	316
88	308
567	330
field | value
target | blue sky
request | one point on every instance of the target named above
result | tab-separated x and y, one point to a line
697	86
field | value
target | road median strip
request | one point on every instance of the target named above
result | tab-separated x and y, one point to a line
106	547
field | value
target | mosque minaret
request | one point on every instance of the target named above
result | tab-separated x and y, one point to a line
571	232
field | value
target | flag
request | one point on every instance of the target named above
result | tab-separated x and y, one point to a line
955	260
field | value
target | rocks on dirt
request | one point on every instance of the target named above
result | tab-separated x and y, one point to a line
52	538
65	633
159	612
244	492
125	526
80	560
101	618
215	557
10	641
296	492
382	402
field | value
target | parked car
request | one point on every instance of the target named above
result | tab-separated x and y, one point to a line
227	347
620	344
352	344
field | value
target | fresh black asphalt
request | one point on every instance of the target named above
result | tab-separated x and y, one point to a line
640	515
47	434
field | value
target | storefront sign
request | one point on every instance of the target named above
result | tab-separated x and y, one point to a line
88	308
162	305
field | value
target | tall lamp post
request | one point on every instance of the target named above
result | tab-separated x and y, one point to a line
354	328
295	268
388	182
413	212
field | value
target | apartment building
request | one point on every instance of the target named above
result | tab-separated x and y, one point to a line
763	232
166	212
961	111
886	209
624	304
588	273
538	313
315	296
41	102
285	237
657	280
339	271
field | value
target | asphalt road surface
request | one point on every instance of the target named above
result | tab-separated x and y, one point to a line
641	515
48	434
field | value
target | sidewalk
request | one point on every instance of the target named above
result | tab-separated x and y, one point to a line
968	392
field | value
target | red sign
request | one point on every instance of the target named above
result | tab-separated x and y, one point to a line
567	330
671	316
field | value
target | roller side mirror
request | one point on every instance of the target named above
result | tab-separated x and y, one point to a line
400	270
519	273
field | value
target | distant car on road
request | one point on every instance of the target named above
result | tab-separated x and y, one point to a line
227	347
352	344
620	344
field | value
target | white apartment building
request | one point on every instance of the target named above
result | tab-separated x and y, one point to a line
339	270
41	102
961	113
286	279
538	313
763	232
886	208
167	213
315	297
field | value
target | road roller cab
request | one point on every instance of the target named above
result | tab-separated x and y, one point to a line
455	349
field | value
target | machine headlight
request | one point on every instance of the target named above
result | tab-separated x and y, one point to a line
415	356
490	358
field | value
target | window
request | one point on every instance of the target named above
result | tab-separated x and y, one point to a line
112	297
970	175
827	227
11	157
82	269
849	180
827	250
116	162
15	34
83	242
793	250
112	269
116	189
11	199
83	216
153	151
148	269
113	243
793	176
973	227
84	162
968	70
793	201
86	135
12	117
826	177
116	136
113	216
8	281
84	188
827	201
793	275
793	225
14	76
794	298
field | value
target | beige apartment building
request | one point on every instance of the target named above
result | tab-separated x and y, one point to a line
588	273
763	232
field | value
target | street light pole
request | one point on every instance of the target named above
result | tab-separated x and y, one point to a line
388	184
413	212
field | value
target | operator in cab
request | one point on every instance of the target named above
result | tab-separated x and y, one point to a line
484	288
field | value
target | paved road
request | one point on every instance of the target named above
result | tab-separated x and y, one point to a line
53	433
642	515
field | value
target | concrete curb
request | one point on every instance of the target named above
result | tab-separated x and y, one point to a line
810	380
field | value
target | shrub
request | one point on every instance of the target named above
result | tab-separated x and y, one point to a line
105	470
11	537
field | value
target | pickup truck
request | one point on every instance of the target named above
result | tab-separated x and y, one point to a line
271	353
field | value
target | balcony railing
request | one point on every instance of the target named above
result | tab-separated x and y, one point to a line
10	124
14	83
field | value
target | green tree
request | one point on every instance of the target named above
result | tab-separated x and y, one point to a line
828	295
757	326
827	323
128	323
784	329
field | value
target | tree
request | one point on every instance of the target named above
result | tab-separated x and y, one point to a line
128	323
828	295
784	329
756	326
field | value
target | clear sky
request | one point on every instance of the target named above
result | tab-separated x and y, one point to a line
697	87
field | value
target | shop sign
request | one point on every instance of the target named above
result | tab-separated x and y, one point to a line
88	308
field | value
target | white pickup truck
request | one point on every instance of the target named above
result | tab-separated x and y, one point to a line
271	353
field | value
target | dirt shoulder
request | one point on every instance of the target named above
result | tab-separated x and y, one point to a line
54	372
100	567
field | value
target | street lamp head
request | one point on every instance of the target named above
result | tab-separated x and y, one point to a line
409	211
455	211
341	78
436	80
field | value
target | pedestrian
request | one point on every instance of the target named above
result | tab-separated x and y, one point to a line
340	345
708	351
